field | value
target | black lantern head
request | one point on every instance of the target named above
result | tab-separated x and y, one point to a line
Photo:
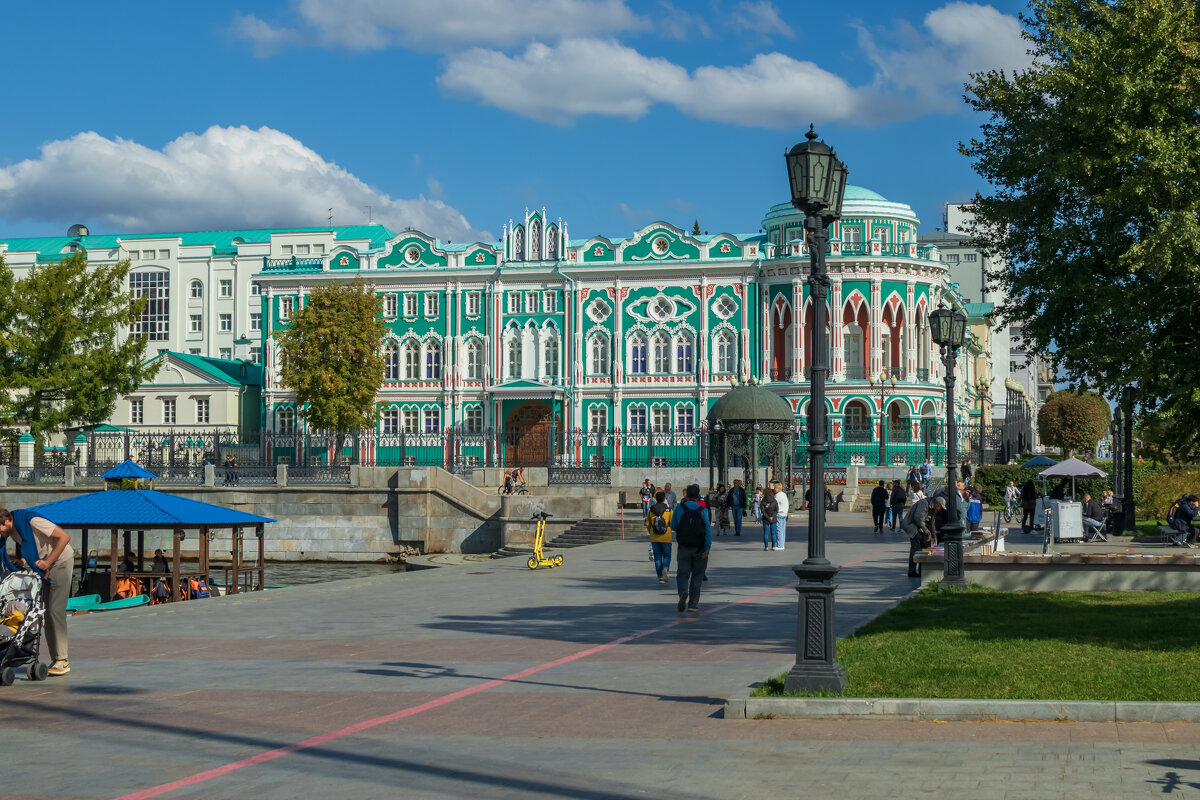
817	178
948	328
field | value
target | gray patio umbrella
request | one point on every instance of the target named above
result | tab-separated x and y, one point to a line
1072	468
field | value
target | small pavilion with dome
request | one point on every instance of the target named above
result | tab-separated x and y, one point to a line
752	432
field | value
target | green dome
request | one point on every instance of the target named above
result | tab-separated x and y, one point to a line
745	403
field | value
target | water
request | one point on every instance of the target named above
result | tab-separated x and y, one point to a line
295	573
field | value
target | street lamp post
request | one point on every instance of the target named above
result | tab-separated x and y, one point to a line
948	330
1127	482
982	389
818	181
886	384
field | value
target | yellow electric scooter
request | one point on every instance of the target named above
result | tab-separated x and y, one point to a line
539	558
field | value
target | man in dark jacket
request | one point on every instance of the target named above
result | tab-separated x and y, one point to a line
899	500
693	537
737	506
879	504
1093	517
917	525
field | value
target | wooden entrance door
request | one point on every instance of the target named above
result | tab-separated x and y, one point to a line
526	433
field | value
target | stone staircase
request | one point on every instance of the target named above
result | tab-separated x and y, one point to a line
587	531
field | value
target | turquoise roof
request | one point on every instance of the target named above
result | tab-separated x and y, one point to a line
978	309
859	193
222	242
222	369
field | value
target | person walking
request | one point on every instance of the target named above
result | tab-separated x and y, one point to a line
658	523
737	506
781	503
898	500
768	511
879	504
721	509
669	497
966	470
1029	498
690	523
646	492
926	475
914	475
46	549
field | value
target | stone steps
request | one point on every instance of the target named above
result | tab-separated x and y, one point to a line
584	532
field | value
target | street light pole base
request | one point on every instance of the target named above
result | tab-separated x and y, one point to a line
816	666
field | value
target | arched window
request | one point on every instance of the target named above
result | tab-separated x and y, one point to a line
195	290
535	240
285	420
726	353
683	353
514	357
412	361
552	243
599	350
433	361
391	362
474	360
550	357
519	244
662	352
637	354
851	234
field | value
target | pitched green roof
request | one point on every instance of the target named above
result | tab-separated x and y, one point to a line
239	372
979	309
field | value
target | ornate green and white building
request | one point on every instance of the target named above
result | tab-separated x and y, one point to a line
608	349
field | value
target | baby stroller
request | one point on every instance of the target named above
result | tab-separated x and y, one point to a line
22	607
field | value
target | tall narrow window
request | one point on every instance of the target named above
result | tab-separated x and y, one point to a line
225	288
598	419
474	360
550	361
472	304
549	302
389	306
391	362
202	410
154	323
661	418
286	421
433	362
412	361
683	354
195	290
433	420
725	353
410	305
286	306
637	419
137	412
168	411
256	320
473	419
412	419
685	419
389	421
662	353
637	354
431	304
514	357
514	302
600	351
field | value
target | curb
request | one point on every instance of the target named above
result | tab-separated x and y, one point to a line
919	709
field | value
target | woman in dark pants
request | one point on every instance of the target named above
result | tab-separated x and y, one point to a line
1029	497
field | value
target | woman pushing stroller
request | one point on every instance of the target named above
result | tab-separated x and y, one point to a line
46	549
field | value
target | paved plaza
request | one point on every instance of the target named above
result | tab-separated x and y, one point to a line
487	680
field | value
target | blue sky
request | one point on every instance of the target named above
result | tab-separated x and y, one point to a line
453	116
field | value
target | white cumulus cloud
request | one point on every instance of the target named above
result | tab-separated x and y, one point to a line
437	25
223	178
575	77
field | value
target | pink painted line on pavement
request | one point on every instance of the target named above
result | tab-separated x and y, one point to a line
358	727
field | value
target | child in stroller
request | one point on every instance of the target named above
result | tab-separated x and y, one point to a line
22	613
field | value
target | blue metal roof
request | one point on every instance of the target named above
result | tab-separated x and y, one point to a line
127	470
141	508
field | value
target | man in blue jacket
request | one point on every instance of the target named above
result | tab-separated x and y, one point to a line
693	535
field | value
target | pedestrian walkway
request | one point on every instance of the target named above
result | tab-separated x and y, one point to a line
488	680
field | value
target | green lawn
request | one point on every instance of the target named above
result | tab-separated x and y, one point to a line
983	643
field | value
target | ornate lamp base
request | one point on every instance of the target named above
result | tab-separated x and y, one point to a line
816	636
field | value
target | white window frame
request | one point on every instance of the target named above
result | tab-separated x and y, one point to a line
551	357
600	354
410	305
226	353
514	302
390	304
549	302
255	289
411	360
137	411
410	420
471	304
531	302
473	419
432	304
169	411
685	419
638	420
287	306
285	420
195	290
431	420
598	419
225	323
660	418
225	287
474	360
196	323
389	421
203	410
433	361
256	320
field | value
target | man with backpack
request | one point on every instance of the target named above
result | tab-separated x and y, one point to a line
693	533
658	523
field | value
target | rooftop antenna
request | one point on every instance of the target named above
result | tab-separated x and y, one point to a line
370	219
331	216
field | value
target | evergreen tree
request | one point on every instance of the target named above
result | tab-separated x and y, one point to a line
65	357
1093	153
696	228
329	355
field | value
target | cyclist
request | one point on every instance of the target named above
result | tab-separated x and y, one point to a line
1012	497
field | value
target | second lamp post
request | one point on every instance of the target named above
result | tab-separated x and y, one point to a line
949	330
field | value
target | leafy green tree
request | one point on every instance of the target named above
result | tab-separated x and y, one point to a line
329	355
1073	420
1095	211
65	356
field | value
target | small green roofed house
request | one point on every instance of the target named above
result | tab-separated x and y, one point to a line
193	391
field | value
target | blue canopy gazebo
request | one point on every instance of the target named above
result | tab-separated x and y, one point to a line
146	509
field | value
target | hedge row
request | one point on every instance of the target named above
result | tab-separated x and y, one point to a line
1155	486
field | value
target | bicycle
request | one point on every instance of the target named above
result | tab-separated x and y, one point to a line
1010	509
518	489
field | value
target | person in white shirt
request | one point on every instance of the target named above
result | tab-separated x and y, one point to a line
781	517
